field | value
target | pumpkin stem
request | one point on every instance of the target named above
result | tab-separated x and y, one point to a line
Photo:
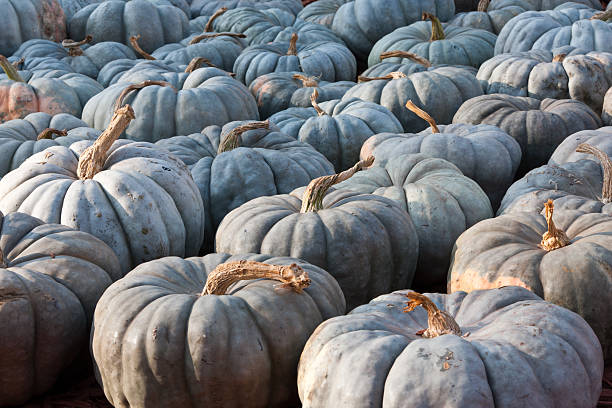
390	75
439	322
204	36
93	158
224	275
483	5
313	101
17	63
209	24
48	132
9	70
293	45
423	115
74	47
3	264
437	32
134	41
197	62
605	15
554	238
559	57
606	166
232	140
312	200
308	82
134	87
405	54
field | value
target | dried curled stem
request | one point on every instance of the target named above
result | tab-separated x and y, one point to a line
439	322
232	140
554	238
209	24
437	32
226	274
134	41
197	62
405	54
293	45
606	169
312	199
559	57
483	5
10	70
390	75
423	115
3	263
134	87
313	101
604	15
49	132
74	47
308	82
204	36
93	158
17	64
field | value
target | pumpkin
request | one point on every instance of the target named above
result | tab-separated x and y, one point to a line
360	23
366	242
23	20
501	347
539	74
70	7
241	161
606	113
565	261
207	96
404	62
278	91
21	138
213	331
140	70
54	92
438	43
328	61
538	126
208	7
118	21
337	129
566	152
51	278
184	5
135	197
321	11
438	90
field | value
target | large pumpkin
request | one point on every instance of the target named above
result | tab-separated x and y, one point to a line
201	332
140	70
321	11
567	150
208	7
565	261
135	197
367	242
51	278
503	348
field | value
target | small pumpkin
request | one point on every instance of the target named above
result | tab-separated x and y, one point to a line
500	347
213	331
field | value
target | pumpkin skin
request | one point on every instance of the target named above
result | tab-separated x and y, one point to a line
118	21
366	242
208	7
70	7
538	126
18	137
461	45
484	153
372	357
439	91
505	251
340	132
222	52
440	200
321	11
404	66
256	350
143	204
267	162
52	278
23	20
208	96
135	71
566	152
606	113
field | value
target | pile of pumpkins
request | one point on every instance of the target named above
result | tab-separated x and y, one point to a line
258	203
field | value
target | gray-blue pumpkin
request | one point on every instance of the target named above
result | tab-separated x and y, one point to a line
208	7
140	70
321	11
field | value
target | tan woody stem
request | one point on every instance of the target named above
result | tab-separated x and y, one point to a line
49	132
74	47
423	115
17	64
437	32
559	57
483	5
606	169
312	199
209	24
9	69
390	75
204	36
308	82
405	54
93	158
226	274
134	41
232	140
197	62
293	45
605	15
3	263
439	322
554	238
135	87
313	101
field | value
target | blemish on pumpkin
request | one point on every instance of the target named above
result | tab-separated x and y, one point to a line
471	280
155	333
145	231
99	215
444	359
